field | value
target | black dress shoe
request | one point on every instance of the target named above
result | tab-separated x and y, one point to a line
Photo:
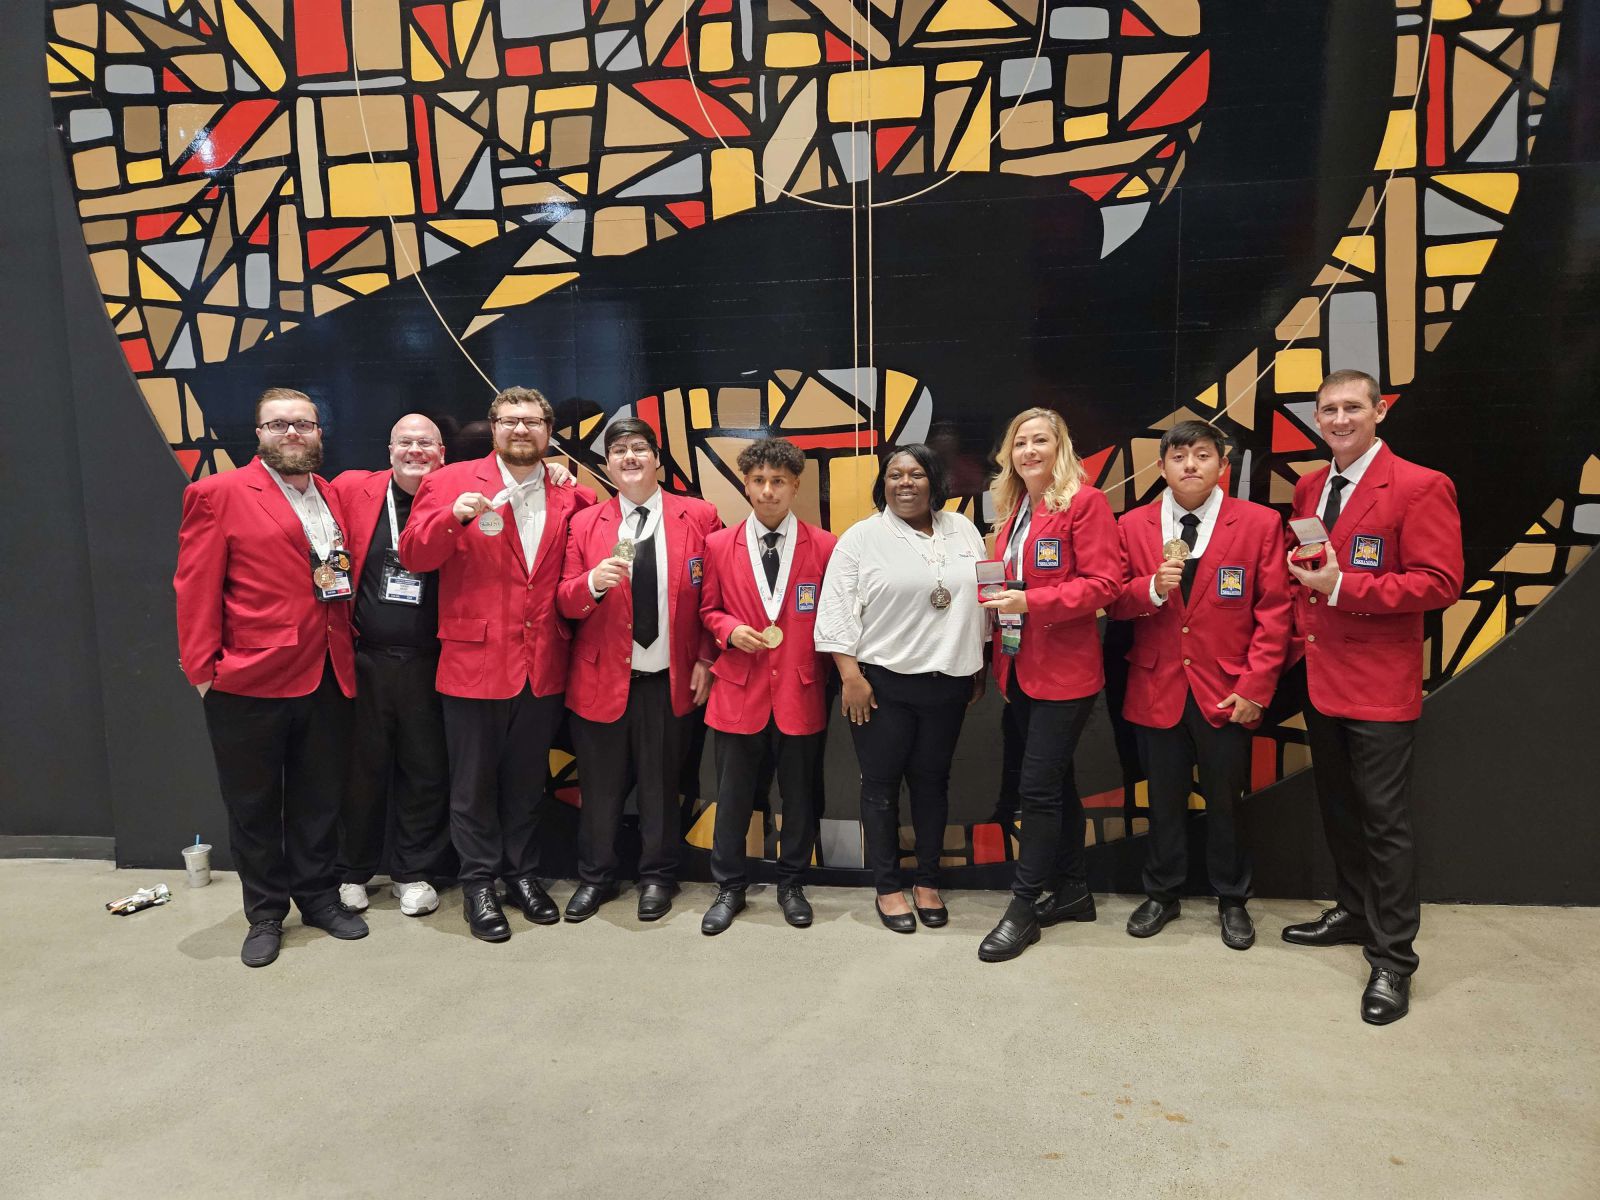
485	917
1151	917
655	901
796	908
728	904
1238	930
933	918
333	918
527	894
900	923
1335	927
1387	998
1061	906
261	943
1018	930
586	901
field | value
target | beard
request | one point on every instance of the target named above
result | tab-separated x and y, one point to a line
522	454
292	460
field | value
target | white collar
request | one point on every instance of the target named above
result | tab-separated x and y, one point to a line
531	484
311	483
905	529
1357	469
651	505
755	530
1175	512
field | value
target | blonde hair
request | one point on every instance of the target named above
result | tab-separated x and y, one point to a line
1066	475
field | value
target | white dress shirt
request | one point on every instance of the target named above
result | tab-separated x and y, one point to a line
527	508
1172	514
657	657
322	531
754	531
1353	473
875	596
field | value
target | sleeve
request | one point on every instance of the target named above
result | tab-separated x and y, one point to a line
1098	558
1269	641
574	600
432	534
838	625
1429	573
719	623
1137	596
202	567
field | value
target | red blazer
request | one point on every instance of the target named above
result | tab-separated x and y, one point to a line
498	628
361	496
1072	564
748	690
1231	635
248	622
1398	545
602	652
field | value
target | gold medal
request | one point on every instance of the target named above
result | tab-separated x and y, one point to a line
772	636
340	560
939	597
1176	548
491	523
1308	551
625	550
324	576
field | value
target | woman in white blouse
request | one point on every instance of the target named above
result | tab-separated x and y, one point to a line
899	613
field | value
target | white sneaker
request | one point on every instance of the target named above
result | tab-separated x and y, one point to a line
353	896
416	899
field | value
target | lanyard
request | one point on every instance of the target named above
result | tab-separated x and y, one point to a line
319	541
771	601
516	491
394	524
936	561
1018	539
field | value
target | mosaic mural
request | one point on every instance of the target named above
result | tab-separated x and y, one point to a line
250	173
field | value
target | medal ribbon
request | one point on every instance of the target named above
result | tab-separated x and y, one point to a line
773	602
320	542
1018	539
936	561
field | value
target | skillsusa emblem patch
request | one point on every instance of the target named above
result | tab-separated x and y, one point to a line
805	597
1047	553
1230	582
697	571
1366	551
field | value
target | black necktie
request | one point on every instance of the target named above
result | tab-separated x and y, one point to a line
1190	535
646	616
769	560
1330	511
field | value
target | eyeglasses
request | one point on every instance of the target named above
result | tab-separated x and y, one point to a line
416	444
512	424
280	427
637	449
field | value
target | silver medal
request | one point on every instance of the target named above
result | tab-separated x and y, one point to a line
491	523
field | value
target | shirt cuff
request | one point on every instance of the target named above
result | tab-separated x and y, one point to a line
1156	597
1333	596
593	591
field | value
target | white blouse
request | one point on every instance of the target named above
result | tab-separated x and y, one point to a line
875	597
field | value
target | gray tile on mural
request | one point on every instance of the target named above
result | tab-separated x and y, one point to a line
1353	333
127	80
1021	76
1080	23
541	18
89	124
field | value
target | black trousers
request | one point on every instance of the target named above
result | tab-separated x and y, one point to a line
1070	874
281	767
742	760
499	765
641	751
1363	774
1170	757
1049	730
398	765
911	737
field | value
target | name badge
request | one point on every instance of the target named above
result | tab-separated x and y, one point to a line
1047	553
1366	551
805	597
697	571
330	580
1230	582
400	586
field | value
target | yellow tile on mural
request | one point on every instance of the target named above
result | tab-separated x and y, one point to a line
144	170
733	181
76	57
1458	258
1451	10
1298	370
850	480
951	72
565	99
1494	189
793	50
1399	149
471	232
521	289
1360	252
880	94
366	282
1081	129
716	46
252	45
364	189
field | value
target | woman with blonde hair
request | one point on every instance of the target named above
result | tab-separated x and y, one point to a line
1063	560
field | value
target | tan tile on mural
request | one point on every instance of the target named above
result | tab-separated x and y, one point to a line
620	229
341	124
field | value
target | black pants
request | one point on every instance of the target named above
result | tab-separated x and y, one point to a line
1170	757
1363	774
1070	874
499	765
641	750
1049	730
397	763
742	759
281	767
911	737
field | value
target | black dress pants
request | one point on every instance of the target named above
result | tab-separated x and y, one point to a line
742	759
1069	876
912	737
1363	774
281	769
499	765
1170	757
397	763
641	750
1050	730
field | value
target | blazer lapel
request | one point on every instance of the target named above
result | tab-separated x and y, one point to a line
1377	477
557	504
492	485
675	530
271	498
1223	534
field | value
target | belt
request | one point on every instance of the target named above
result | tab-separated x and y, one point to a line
403	653
648	674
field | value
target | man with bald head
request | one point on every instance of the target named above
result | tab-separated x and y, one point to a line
397	749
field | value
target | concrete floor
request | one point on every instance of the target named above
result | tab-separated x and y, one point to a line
615	1059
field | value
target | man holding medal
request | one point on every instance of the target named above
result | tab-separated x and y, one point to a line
496	534
769	686
1392	552
632	581
397	743
263	591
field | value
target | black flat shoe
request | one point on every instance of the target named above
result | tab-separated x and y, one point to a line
1018	930
796	908
933	918
655	901
261	943
1335	927
1151	917
586	901
526	893
1387	997
1060	906
485	918
728	904
1238	930
336	920
901	923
